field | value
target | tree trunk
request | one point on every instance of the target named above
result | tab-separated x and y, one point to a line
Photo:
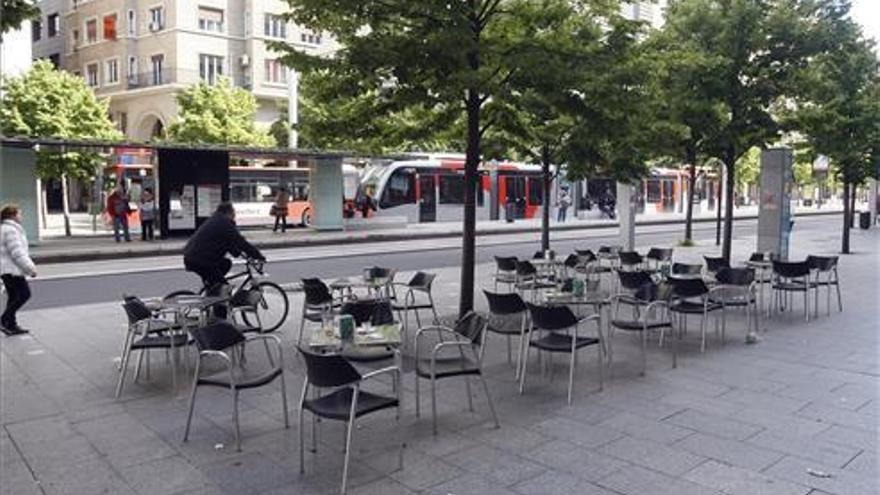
65	204
545	212
847	219
730	176
692	180
718	208
853	188
472	161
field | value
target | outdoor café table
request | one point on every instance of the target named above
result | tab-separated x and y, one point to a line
347	285
762	270
366	338
598	299
547	265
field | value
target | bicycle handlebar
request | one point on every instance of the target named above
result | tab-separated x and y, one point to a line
256	264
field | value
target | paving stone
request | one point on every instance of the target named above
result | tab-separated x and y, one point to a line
761	400
164	476
640	481
652	455
558	484
420	471
16	478
563	456
782	424
506	469
737	481
92	476
124	440
732	452
852	437
713	424
867	463
470	484
835	415
809	448
578	433
639	427
247	473
840	482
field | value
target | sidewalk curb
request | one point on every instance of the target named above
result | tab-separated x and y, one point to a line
177	248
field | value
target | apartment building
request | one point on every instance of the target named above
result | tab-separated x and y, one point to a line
141	53
650	11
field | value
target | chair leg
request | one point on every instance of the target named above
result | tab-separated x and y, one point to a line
235	419
644	352
571	375
839	298
418	398
284	400
302	325
703	333
524	368
121	383
348	435
601	367
434	404
302	434
489	399
509	351
192	400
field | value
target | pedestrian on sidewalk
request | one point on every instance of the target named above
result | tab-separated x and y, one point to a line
562	205
118	209
148	214
15	264
279	210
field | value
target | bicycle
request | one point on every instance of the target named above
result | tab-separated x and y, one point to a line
273	307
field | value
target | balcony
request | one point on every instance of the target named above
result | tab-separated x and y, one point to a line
170	75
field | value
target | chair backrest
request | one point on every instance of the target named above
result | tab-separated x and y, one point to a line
572	261
328	370
756	257
525	268
652	291
316	291
660	254
735	276
538	255
689	287
629	258
822	263
378	272
506	303
610	249
506	263
423	280
135	309
686	268
216	336
471	326
634	280
552	317
377	312
791	269
586	254
713	264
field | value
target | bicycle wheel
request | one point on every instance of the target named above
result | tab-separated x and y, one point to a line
273	308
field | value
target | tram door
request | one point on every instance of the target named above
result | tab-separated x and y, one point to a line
427	199
516	193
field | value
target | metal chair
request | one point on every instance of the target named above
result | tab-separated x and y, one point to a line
467	335
693	297
346	402
715	264
318	303
825	266
551	321
146	331
386	289
686	269
505	271
659	257
791	277
629	260
592	267
221	340
420	283
245	306
504	310
737	288
646	302
528	279
377	312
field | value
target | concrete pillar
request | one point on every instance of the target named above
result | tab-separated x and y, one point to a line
18	185
872	200
774	214
326	193
626	215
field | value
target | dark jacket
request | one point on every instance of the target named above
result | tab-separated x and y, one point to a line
214	239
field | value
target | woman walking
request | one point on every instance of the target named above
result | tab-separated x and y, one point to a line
148	214
15	264
279	209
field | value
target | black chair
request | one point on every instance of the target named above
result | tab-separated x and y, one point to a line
346	401
592	267
693	297
222	341
737	288
386	276
377	312
633	281
468	334
528	279
505	271
318	303
649	303
658	257
508	317
420	283
146	331
686	269
789	277
715	264
630	260
555	330
825	268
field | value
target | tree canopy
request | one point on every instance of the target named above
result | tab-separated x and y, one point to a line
217	114
45	102
14	12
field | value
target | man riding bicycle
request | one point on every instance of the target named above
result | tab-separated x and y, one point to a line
205	253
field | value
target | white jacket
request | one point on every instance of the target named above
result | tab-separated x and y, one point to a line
14	258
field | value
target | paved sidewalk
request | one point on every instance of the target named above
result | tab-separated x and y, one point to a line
739	419
86	248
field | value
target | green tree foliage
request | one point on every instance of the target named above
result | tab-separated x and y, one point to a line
46	103
14	12
217	114
280	128
839	111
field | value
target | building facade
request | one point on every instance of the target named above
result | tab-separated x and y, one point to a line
141	53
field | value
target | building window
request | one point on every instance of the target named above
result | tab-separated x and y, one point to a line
157	62
92	31
92	75
132	69
53	25
36	30
275	72
157	18
210	19
111	71
210	68
74	38
132	23
274	26
310	38
110	27
55	59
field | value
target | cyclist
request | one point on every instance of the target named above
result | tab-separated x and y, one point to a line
205	253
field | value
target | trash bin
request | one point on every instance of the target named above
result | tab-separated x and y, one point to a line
865	220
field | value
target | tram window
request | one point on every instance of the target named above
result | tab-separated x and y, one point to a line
451	189
536	192
653	193
399	190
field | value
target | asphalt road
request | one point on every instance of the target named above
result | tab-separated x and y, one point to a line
130	277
